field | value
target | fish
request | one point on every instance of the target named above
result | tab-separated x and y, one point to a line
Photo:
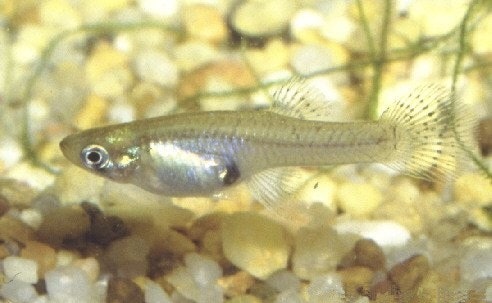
424	134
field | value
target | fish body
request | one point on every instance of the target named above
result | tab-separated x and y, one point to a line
199	154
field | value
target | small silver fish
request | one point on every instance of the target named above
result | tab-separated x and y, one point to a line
199	154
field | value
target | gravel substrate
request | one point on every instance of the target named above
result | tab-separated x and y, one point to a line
367	234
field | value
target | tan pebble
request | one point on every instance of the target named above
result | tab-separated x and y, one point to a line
16	193
59	13
205	23
234	73
244	299
90	266
64	224
171	241
473	189
42	253
4	251
274	56
356	280
358	199
408	274
255	244
104	59
92	113
317	251
236	284
485	134
262	18
13	230
122	290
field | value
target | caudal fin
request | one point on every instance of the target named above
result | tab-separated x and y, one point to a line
434	133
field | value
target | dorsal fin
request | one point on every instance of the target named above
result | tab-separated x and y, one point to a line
299	100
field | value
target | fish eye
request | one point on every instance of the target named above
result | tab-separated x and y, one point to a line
95	156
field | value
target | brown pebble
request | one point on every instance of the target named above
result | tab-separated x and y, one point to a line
14	230
408	274
121	290
4	205
104	229
356	280
365	253
64	225
485	136
369	254
43	254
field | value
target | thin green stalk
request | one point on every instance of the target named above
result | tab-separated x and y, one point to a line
379	63
463	48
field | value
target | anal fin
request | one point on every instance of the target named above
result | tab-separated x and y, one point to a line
277	190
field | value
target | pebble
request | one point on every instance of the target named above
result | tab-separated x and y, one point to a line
408	275
311	59
237	284
4	205
255	244
59	13
204	22
31	217
271	58
156	67
42	254
14	230
326	288
107	71
484	134
358	199
18	291
384	233
193	54
284	280
75	185
365	253
64	225
153	293
356	279
90	266
68	284
477	263
92	113
317	251
127	257
160	9
244	299
254	18
123	290
473	189
197	281
36	178
22	269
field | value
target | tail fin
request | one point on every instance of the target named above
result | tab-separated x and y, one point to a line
433	133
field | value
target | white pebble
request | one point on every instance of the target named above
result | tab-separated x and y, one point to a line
18	291
198	280
477	264
203	270
68	284
326	288
155	294
10	151
310	59
284	280
31	217
289	296
159	8
384	233
17	268
153	66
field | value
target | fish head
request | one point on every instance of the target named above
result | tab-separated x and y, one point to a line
103	151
